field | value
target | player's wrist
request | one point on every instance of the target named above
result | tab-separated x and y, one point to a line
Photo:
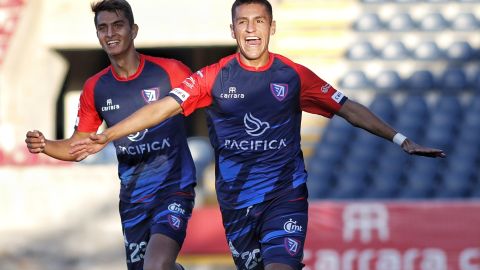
399	139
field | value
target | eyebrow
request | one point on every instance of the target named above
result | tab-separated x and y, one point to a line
256	18
114	22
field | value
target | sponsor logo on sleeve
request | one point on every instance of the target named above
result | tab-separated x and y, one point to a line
338	96
325	88
180	93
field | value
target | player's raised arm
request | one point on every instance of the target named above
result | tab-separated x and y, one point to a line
146	117
360	116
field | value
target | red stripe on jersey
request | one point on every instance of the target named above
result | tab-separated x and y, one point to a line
199	86
88	119
177	71
316	95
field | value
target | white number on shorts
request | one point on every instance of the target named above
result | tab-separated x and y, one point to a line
138	251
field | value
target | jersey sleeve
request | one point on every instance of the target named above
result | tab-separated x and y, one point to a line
317	96
88	119
176	70
196	91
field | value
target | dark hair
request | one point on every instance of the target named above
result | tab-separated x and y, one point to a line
265	3
113	6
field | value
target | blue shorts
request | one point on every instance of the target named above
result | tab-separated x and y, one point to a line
168	215
270	232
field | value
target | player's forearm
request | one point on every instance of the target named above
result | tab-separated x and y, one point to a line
359	116
58	149
146	117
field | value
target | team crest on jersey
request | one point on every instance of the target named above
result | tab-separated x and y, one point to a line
151	95
292	246
279	90
175	222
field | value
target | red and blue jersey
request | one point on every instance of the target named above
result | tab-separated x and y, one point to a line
254	118
157	158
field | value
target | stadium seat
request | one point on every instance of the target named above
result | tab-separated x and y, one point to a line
460	51
439	137
427	51
433	22
382	106
420	184
368	22
418	163
320	179
202	154
354	80
361	51
420	81
475	83
455	184
384	185
453	80
465	22
401	22
387	81
349	185
449	104
395	50
324	152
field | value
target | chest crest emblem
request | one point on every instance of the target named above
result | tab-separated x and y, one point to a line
279	90
151	95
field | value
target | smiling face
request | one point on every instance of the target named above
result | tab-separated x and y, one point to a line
115	33
251	27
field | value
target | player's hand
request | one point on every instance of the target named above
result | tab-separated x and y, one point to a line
414	149
89	146
35	142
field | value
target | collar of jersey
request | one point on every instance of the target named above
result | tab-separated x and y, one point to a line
262	68
133	76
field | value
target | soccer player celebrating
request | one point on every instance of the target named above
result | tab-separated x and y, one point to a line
254	102
156	168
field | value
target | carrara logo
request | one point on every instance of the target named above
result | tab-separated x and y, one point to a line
254	126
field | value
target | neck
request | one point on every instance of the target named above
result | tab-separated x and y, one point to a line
125	65
256	63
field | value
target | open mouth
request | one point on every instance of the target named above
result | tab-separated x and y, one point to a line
113	43
252	41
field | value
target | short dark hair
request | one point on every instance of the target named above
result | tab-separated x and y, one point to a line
265	3
113	6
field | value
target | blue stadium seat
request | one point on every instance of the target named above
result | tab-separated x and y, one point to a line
439	137
384	185
460	51
465	22
453	80
327	153
449	104
202	154
387	81
420	81
320	179
368	22
420	184
455	184
349	185
395	50
475	83
433	22
361	51
355	79
427	51
401	22
382	106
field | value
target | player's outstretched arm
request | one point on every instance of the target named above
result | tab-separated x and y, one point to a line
360	116
146	117
59	149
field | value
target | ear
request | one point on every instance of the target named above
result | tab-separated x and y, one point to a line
134	31
273	28
232	32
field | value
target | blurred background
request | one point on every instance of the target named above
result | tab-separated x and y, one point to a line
414	63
